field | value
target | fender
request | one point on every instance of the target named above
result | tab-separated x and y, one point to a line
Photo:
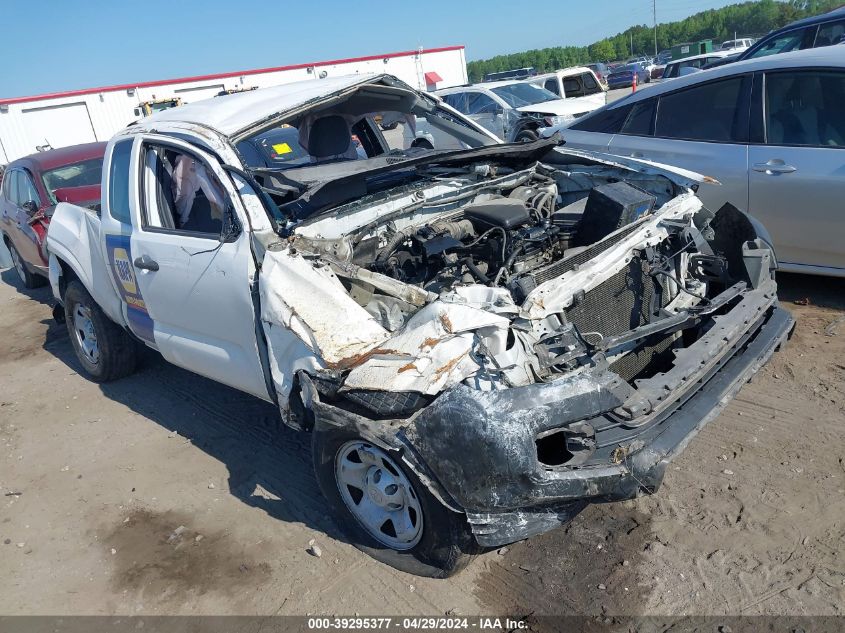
73	244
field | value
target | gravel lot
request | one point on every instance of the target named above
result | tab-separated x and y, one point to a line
166	493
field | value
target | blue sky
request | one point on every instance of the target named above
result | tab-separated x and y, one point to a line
67	44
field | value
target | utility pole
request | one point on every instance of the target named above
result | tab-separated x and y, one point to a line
654	11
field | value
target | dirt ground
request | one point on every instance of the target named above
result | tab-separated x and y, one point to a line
166	493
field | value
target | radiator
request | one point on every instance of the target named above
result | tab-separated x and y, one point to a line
620	304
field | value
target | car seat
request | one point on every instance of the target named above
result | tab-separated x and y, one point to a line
330	139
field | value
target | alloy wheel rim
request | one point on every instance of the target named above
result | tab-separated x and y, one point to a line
83	328
379	495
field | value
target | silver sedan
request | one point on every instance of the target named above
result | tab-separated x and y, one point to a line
770	130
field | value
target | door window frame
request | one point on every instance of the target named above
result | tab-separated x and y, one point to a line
751	52
479	94
462	95
107	181
10	185
615	114
759	102
145	226
823	25
653	103
590	90
27	177
744	107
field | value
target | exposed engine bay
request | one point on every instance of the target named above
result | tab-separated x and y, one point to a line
502	230
505	239
502	277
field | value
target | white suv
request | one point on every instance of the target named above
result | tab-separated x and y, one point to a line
513	110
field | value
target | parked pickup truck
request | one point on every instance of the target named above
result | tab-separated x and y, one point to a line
480	340
580	86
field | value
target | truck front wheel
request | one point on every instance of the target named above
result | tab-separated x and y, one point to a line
385	510
104	350
526	136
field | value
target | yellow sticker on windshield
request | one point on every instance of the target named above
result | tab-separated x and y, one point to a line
282	148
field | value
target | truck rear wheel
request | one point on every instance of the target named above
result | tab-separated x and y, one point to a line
385	509
104	350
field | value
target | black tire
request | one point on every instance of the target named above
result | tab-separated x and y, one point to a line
117	352
526	136
446	545
28	279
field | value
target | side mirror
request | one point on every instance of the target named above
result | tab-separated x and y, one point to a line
31	207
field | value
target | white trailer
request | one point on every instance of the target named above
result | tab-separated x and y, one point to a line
31	124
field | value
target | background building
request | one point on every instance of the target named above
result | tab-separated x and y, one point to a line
31	124
28	124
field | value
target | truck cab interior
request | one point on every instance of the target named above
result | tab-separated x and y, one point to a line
186	199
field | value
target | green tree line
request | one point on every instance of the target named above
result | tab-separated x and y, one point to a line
747	18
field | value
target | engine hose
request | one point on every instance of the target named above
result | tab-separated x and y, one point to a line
392	244
475	271
486	233
543	203
507	265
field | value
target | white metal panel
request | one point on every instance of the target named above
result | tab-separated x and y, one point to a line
13	134
58	125
197	93
450	65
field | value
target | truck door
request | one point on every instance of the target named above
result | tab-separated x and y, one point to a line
191	263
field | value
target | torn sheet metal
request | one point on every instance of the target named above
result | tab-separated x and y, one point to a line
310	301
432	352
492	299
74	237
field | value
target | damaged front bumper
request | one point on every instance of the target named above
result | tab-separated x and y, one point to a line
523	460
483	448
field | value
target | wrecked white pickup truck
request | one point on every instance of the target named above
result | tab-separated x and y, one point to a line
482	340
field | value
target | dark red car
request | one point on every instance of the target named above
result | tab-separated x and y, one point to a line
32	186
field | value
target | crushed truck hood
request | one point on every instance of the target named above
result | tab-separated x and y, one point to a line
230	114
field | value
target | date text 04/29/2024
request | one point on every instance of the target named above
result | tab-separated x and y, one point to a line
416	623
